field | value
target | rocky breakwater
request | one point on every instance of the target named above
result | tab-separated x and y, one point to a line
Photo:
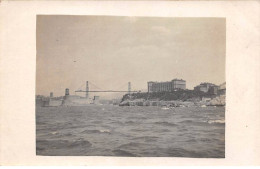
217	101
143	102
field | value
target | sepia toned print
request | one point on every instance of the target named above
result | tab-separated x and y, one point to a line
130	86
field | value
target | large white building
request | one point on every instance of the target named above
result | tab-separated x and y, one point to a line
166	86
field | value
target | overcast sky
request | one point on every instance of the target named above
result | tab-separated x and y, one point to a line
109	51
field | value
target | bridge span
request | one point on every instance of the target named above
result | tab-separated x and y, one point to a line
87	91
105	91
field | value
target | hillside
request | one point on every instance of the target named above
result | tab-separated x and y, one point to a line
183	95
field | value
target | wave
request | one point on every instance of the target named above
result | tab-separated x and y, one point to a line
186	121
80	142
129	122
163	130
132	145
146	138
96	122
60	144
116	122
216	121
181	152
182	130
96	131
165	123
191	141
137	117
40	122
54	133
139	130
119	152
205	140
203	122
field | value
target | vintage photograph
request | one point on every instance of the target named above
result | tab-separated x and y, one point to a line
130	86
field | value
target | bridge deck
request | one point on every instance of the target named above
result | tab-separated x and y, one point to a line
104	91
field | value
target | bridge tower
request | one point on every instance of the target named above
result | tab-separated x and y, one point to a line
87	89
67	92
129	87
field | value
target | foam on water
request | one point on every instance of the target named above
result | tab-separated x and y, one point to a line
216	121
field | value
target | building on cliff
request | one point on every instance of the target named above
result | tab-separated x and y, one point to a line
222	89
166	86
207	87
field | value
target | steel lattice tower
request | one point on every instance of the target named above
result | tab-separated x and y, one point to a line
87	89
129	87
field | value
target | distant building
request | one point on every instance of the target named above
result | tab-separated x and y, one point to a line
207	88
222	89
166	86
96	100
67	92
213	90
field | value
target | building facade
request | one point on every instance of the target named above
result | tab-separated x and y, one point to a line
166	86
207	88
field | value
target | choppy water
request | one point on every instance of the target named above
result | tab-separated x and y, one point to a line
131	131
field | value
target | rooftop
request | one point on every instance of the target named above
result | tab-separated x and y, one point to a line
178	80
167	81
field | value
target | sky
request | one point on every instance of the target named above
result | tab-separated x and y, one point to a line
110	51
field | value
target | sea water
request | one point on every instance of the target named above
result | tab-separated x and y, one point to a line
107	130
